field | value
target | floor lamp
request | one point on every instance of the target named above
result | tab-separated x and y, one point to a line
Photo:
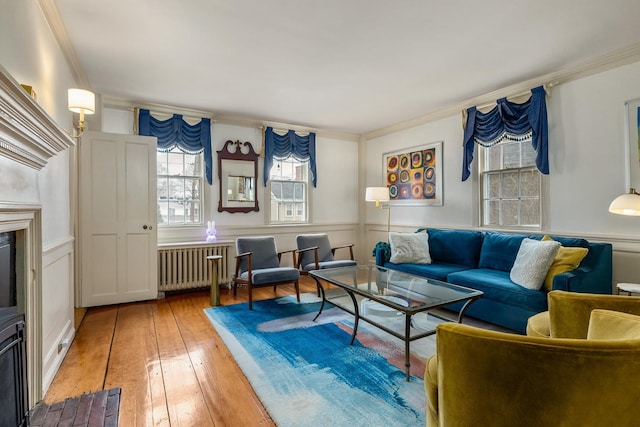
380	195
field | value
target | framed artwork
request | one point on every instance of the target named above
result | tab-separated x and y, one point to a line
632	137
414	175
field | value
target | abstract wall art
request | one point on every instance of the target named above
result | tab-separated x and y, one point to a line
414	175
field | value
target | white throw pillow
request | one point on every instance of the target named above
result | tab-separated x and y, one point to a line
532	262
410	248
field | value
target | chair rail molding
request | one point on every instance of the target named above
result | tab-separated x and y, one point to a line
28	134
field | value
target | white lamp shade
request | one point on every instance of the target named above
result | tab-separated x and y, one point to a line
626	204
81	101
377	194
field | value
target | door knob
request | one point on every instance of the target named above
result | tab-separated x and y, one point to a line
145	227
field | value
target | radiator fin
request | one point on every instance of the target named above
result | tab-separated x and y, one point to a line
186	267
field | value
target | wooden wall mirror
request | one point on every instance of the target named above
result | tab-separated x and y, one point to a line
238	176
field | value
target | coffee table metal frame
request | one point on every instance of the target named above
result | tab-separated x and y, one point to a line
406	286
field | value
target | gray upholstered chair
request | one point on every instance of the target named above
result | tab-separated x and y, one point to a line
315	253
258	265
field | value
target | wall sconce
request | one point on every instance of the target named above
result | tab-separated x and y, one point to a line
82	102
626	204
380	195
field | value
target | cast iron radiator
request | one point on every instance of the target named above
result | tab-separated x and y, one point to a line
185	266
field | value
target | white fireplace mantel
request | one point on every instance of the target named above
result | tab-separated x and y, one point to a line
28	134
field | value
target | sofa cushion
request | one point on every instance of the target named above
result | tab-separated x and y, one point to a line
532	262
499	250
433	271
497	286
409	248
455	246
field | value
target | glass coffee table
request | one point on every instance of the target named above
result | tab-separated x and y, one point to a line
380	296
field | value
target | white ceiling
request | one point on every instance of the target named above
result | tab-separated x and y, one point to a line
343	65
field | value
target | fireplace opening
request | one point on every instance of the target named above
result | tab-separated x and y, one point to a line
13	349
8	296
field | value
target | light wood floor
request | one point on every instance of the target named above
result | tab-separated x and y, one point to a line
172	366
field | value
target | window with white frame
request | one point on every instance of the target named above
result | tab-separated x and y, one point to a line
180	184
510	185
288	191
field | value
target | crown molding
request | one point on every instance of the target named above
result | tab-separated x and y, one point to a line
51	14
28	134
606	62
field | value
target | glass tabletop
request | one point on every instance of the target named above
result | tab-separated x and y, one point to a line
401	291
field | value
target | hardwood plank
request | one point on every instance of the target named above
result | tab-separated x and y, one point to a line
230	397
157	350
85	364
185	401
134	366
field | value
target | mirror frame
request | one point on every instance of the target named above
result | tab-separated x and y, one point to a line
250	156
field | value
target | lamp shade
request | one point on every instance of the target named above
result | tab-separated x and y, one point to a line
377	194
626	204
81	101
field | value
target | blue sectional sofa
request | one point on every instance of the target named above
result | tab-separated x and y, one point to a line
483	260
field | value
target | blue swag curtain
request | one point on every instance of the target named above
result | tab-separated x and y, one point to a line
175	132
509	120
279	147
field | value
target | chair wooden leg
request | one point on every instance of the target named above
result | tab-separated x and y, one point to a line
250	296
297	290
235	286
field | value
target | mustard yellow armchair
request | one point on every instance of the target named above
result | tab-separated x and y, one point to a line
569	312
487	378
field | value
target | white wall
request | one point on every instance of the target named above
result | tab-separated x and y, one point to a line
334	202
587	168
30	53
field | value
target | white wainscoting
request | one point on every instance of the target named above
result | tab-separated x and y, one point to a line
58	327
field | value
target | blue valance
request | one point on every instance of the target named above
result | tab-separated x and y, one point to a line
279	147
509	120
175	132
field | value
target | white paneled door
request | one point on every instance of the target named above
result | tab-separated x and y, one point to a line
117	219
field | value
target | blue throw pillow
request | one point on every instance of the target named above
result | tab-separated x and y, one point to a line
461	247
499	250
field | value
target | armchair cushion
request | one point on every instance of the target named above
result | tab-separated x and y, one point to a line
264	251
329	264
321	241
271	275
613	325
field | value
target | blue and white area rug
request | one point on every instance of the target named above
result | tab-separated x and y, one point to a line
306	373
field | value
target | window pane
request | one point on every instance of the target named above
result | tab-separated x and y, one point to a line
161	160
492	212
193	165
176	188
493	186
192	189
528	154
176	163
530	212
529	183
494	155
163	188
511	155
510	212
298	192
509	183
163	212
192	213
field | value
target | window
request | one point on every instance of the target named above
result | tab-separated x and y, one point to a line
180	183
288	189
510	185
